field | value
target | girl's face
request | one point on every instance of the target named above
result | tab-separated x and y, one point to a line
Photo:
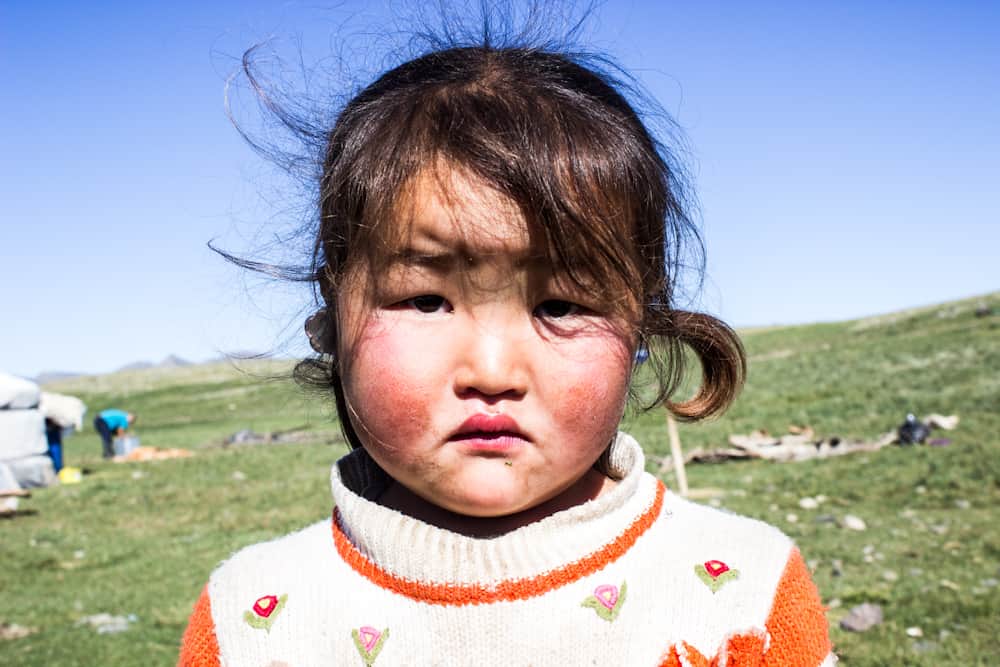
477	377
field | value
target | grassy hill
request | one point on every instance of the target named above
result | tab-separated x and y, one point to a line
141	538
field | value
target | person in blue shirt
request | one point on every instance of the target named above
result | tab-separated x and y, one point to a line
112	423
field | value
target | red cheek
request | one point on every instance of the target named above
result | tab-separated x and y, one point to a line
595	394
592	403
387	391
577	399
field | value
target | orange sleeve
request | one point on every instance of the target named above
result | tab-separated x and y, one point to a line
199	648
797	622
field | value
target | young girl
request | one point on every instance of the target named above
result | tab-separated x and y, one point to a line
498	238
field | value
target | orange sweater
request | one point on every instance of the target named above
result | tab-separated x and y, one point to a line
637	577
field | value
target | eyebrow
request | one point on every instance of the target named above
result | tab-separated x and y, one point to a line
438	260
446	259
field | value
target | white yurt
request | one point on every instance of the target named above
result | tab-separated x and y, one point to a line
24	407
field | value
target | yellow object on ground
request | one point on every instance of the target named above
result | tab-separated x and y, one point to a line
70	475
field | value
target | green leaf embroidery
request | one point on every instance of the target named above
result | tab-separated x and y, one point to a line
715	583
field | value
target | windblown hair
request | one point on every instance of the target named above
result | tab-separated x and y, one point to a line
560	140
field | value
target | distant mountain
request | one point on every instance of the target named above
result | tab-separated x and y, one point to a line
173	361
54	376
135	366
170	361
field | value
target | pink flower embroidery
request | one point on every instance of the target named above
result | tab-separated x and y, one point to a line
607	595
607	600
369	642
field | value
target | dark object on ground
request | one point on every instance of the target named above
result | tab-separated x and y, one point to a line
983	310
913	431
248	436
862	617
800	444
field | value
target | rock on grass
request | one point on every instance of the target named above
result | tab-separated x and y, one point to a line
862	617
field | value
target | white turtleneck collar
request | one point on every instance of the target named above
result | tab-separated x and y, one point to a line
413	550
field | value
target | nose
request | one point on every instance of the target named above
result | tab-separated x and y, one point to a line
493	361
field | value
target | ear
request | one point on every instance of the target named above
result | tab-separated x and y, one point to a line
321	331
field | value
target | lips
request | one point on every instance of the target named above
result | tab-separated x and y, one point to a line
490	432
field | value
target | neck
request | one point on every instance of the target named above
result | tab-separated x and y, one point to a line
592	485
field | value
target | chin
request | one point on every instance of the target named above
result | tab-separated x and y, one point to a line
485	508
488	501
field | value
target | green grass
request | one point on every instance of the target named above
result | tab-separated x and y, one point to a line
141	538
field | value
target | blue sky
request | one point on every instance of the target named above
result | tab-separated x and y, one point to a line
846	155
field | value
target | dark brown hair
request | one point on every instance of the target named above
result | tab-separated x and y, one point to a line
560	141
555	133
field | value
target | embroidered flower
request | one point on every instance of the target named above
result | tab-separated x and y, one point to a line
369	642
265	606
607	600
715	574
265	611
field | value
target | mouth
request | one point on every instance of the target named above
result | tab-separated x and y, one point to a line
490	433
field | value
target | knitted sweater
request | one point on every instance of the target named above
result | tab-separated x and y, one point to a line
638	576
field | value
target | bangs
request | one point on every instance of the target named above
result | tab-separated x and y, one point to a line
582	172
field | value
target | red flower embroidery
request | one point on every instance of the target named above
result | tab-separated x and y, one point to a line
715	574
265	611
715	567
264	606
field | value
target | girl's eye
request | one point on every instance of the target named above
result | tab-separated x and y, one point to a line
428	303
557	308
